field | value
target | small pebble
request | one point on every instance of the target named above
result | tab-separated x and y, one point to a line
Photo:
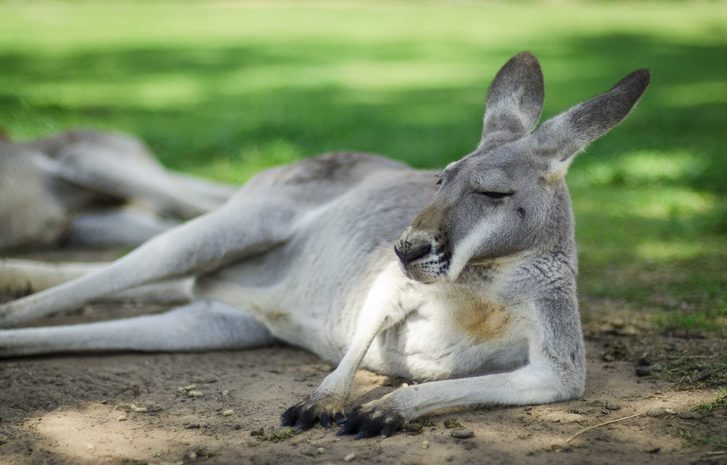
656	412
136	409
349	457
425	444
189	387
225	392
227	413
669	411
321	450
561	447
643	370
192	455
195	393
612	406
122	417
462	433
413	427
653	450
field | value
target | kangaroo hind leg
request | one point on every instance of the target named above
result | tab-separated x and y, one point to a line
199	326
203	244
21	276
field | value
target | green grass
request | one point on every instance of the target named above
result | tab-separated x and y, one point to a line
711	431
224	89
720	403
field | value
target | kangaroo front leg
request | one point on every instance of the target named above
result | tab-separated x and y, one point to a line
378	312
555	372
532	384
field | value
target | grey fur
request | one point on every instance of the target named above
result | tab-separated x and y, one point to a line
93	188
482	300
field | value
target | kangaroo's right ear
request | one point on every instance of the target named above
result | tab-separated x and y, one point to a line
514	101
561	137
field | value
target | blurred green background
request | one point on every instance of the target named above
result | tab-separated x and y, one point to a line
225	89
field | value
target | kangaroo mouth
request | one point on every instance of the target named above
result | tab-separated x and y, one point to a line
428	269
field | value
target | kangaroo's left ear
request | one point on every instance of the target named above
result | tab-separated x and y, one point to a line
561	137
514	101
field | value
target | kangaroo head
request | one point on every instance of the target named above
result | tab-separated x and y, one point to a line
509	195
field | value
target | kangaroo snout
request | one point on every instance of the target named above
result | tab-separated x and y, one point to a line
408	252
421	255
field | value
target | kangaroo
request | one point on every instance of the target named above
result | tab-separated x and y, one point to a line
91	188
477	297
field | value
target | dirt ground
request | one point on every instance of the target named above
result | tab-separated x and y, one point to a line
202	408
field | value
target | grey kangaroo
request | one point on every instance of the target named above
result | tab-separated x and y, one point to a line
91	188
464	279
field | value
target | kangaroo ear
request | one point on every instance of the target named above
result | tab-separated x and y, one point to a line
514	101
561	137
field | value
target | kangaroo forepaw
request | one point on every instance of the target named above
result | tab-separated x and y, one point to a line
372	419
325	409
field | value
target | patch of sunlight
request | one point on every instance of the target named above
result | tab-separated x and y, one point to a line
358	75
407	76
45	25
168	90
672	203
651	202
697	93
150	92
663	251
642	167
94	434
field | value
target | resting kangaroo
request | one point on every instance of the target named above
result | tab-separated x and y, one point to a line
93	188
477	297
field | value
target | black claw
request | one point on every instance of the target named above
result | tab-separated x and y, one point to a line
326	420
387	430
362	425
340	418
373	428
290	416
305	421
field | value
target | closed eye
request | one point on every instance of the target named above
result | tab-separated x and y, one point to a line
495	195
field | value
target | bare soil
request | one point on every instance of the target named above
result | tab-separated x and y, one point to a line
142	408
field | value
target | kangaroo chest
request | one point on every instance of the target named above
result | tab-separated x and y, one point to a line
453	334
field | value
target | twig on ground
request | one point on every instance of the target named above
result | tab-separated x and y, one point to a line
584	430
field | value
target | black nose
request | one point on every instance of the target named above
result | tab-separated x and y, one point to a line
409	253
